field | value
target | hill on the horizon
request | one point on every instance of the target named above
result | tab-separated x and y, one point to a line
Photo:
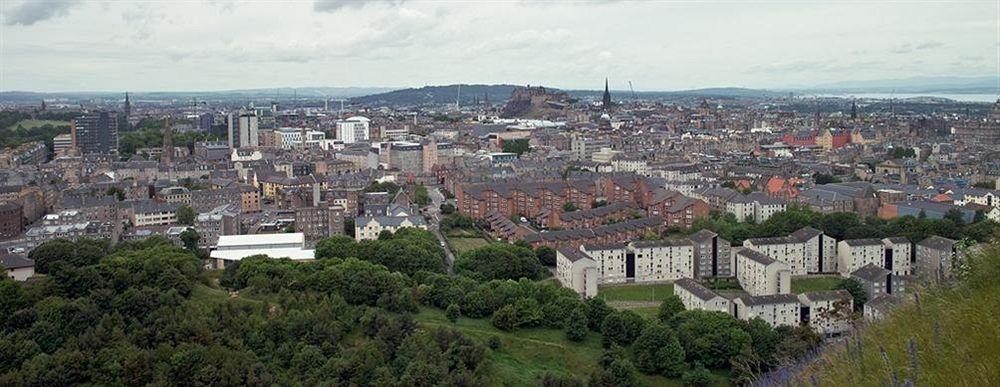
440	95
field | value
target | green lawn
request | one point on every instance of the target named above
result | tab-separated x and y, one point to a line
30	124
527	354
812	284
461	245
635	292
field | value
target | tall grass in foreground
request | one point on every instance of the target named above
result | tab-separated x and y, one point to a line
945	336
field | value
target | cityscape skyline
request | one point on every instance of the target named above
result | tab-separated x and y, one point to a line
222	45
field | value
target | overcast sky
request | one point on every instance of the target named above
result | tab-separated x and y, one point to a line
66	45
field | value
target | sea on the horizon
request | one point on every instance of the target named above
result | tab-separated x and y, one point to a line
955	97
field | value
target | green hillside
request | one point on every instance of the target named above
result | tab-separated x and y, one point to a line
940	337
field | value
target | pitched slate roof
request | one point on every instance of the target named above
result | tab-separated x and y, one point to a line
696	288
938	243
769	299
756	256
871	273
826	295
572	254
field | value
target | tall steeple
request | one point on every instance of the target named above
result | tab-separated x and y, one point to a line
854	110
167	156
606	101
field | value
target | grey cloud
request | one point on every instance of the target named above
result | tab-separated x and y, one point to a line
910	47
31	12
928	45
337	5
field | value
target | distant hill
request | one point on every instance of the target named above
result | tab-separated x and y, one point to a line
438	95
714	92
280	94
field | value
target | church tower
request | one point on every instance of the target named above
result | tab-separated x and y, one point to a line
606	101
128	112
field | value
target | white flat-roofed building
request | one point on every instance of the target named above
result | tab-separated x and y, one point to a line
291	138
806	250
231	248
696	296
775	309
354	129
610	261
663	260
761	275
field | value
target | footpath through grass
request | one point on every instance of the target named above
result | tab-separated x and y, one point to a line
527	354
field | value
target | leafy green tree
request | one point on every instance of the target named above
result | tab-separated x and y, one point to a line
77	253
337	246
420	196
955	215
505	318
546	256
596	310
615	371
621	328
569	207
519	146
670	307
657	351
550	379
698	376
710	338
823	178
857	291
576	325
500	261
453	312
185	215
447	208
387	186
116	192
190	239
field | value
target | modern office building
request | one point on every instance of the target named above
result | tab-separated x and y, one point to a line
354	129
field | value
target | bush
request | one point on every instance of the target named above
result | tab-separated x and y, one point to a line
452	312
576	325
505	318
621	328
699	376
493	342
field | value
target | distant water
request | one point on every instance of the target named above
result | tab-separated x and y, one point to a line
956	97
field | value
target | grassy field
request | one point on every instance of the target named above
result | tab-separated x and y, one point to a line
635	292
461	245
812	284
527	354
30	124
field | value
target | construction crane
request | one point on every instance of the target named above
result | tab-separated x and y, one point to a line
631	89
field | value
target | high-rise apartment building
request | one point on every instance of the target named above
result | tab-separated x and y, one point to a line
95	133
